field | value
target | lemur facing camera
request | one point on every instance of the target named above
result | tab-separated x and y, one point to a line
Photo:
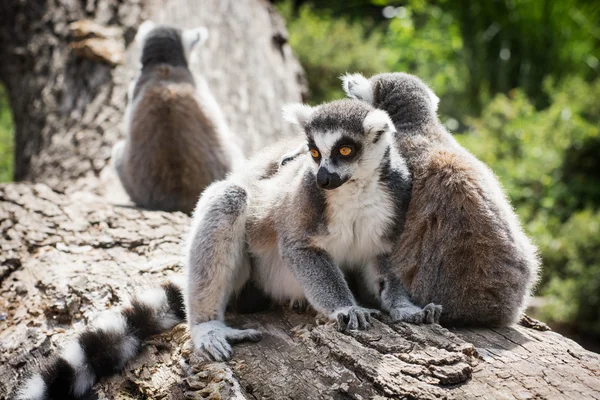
177	140
291	222
462	244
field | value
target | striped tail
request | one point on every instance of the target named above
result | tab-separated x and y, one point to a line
105	347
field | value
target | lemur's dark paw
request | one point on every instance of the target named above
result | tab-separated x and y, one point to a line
353	317
429	314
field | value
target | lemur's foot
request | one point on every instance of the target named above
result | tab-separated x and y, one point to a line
353	317
299	305
430	314
213	339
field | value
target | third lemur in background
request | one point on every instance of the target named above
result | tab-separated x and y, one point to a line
177	139
462	245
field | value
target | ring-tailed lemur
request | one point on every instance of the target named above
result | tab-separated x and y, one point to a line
292	221
341	205
462	244
177	139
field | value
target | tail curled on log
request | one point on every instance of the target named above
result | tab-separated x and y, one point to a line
104	348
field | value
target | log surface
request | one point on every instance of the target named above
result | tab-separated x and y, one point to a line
66	257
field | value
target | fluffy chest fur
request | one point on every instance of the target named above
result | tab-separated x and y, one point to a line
359	214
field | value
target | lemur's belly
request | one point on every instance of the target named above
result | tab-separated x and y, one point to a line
276	278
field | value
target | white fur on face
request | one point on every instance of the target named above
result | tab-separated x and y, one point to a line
34	389
325	143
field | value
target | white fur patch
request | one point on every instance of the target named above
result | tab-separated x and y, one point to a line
74	355
156	299
179	281
33	389
129	348
193	37
84	380
360	214
358	87
378	120
111	321
131	90
143	31
297	113
435	101
303	148
325	143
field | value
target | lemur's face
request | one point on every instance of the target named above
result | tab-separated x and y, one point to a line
346	139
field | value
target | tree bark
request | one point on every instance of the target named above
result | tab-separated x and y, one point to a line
67	251
68	109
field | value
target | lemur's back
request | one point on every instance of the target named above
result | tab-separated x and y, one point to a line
168	121
177	141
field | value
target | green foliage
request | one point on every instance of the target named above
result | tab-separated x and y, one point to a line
523	77
329	47
548	162
517	43
6	138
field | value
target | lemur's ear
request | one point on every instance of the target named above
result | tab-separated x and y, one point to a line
193	37
357	87
143	31
297	113
377	123
434	99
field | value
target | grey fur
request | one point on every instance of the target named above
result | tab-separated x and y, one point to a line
177	140
462	245
301	238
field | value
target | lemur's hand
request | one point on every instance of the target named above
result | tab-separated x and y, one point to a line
429	314
213	339
353	317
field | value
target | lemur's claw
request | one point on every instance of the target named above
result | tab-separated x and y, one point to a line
353	317
429	314
213	339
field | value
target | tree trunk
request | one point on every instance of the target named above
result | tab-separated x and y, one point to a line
68	251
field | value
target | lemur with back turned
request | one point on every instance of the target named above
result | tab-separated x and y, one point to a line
462	245
177	140
292	222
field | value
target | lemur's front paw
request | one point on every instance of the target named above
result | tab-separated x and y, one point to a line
353	317
429	314
213	339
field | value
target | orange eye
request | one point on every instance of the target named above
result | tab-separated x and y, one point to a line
314	153
345	151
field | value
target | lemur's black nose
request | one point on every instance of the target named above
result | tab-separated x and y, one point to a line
329	180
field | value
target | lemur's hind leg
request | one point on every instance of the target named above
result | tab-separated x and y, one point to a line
396	300
216	266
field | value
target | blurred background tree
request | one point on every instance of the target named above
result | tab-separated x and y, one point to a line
519	84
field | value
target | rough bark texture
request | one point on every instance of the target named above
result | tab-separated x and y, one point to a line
68	108
66	257
67	251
